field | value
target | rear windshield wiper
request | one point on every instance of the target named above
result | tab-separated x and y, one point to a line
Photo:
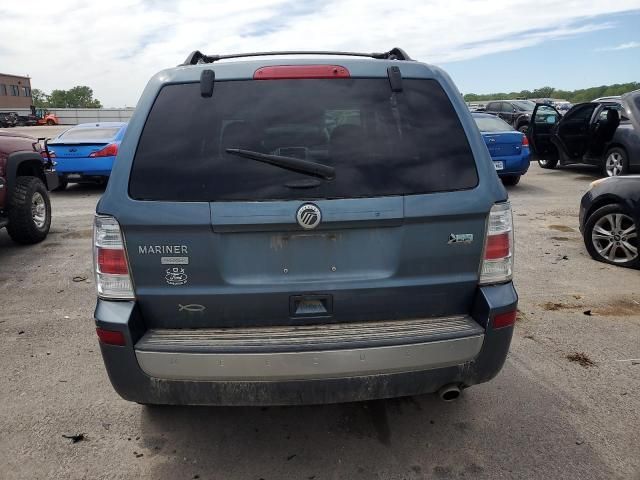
288	163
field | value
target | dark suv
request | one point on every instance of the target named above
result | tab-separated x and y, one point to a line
516	113
327	227
601	133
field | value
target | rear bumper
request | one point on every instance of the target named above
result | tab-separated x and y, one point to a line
310	365
100	166
514	165
303	377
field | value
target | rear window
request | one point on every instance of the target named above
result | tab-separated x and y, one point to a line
492	124
90	134
379	143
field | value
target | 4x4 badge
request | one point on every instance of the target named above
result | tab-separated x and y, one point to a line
460	238
309	216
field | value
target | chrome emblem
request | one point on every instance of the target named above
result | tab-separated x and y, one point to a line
460	238
309	216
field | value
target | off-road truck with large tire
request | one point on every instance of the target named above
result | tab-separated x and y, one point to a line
26	176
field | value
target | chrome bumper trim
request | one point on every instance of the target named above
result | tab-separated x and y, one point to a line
307	365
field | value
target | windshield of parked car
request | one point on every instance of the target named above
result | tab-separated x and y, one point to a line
379	143
492	124
105	134
524	105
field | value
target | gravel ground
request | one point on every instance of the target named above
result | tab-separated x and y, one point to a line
38	131
545	416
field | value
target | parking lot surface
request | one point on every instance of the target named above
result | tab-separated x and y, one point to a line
39	131
566	404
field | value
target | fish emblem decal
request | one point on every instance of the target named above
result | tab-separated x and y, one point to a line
192	307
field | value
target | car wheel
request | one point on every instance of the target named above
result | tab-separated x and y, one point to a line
616	162
545	163
611	236
511	179
29	211
50	122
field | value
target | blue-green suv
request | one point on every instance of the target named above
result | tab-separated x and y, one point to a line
302	227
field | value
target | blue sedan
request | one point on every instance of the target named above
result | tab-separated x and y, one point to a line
509	149
86	152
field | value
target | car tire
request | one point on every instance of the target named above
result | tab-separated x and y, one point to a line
546	163
610	235
511	179
62	184
616	162
29	211
50	123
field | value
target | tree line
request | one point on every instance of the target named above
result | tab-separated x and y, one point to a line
573	96
76	97
82	96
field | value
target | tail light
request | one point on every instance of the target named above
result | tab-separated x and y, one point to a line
111	337
288	72
525	141
110	260
504	319
110	150
497	265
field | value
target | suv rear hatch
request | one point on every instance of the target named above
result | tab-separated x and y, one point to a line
401	232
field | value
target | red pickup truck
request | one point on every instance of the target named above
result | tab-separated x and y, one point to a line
26	176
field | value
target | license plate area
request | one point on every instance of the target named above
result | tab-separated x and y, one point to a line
498	165
305	306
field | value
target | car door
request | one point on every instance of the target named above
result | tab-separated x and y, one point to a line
605	121
506	112
631	101
573	133
492	108
544	121
512	113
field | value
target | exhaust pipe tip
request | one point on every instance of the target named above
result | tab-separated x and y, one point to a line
449	393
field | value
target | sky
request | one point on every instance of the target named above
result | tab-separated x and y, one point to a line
485	45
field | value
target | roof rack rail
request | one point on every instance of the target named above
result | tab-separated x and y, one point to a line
197	57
